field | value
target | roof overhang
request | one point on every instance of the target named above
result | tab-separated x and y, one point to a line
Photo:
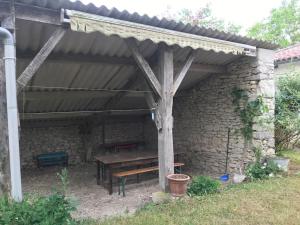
88	23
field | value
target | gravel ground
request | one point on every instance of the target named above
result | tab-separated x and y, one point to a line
93	200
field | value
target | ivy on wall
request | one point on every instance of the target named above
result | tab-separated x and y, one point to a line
247	110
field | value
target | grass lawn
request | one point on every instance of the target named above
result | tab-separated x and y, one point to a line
275	201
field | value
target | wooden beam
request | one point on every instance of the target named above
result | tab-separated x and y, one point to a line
180	76
78	114
113	60
165	106
38	60
32	13
80	58
74	94
144	66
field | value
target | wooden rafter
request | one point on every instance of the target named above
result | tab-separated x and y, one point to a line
32	13
180	76
38	60
144	66
113	60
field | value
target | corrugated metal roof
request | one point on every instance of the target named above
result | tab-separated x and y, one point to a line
32	35
145	19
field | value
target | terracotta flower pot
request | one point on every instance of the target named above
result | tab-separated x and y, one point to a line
178	184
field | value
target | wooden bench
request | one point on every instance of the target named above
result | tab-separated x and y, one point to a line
52	158
122	175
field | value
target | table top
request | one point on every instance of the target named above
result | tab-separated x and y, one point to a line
128	156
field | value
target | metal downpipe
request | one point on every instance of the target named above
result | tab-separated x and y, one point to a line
12	113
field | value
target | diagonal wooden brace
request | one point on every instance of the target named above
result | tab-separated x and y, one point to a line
39	59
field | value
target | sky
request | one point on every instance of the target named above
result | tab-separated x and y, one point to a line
242	12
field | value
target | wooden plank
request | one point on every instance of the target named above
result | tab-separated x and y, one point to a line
144	66
180	76
38	60
32	13
165	135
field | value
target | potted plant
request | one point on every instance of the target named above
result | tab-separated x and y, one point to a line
178	184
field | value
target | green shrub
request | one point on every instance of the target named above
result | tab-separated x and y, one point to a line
49	210
261	171
54	209
203	185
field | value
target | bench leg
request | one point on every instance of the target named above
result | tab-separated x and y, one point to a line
119	186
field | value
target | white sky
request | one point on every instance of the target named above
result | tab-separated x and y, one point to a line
242	12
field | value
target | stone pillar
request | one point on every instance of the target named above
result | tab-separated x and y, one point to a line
4	153
263	135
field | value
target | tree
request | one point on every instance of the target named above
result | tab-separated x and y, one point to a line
282	27
201	17
287	111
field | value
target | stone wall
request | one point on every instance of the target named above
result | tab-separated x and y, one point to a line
36	141
203	115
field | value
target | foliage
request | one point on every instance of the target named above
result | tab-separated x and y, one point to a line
53	209
201	17
287	111
282	27
203	185
64	178
38	210
259	170
247	110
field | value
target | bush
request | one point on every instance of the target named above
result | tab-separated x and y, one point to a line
54	209
261	171
203	185
287	108
50	210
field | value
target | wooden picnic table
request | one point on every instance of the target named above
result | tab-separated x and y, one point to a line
106	163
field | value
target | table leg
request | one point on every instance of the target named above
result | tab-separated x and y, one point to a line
110	187
98	172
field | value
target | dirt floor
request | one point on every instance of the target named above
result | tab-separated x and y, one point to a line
93	200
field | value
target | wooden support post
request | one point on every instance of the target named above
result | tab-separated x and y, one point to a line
165	88
8	23
165	106
86	131
4	152
38	60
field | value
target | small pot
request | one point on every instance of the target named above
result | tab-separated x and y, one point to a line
178	184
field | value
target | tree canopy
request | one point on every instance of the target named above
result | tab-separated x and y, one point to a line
202	17
282	27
